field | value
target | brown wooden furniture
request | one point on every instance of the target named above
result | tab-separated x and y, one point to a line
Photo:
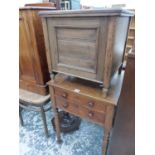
35	102
47	4
56	2
88	44
123	136
85	99
131	36
32	58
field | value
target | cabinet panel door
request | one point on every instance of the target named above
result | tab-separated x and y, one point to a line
75	46
25	58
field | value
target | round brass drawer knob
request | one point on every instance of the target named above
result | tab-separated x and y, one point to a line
64	95
90	114
91	104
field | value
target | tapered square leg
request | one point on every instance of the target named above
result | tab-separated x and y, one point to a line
57	126
105	141
44	121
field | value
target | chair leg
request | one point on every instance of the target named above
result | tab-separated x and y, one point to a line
20	116
44	121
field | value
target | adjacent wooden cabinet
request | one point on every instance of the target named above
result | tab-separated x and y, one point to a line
88	44
131	36
122	140
32	57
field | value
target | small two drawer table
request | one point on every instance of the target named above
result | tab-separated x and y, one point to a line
85	99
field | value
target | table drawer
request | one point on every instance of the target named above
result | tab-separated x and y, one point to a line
81	111
85	101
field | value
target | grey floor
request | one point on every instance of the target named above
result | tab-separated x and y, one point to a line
85	141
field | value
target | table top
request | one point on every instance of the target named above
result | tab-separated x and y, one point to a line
89	88
90	12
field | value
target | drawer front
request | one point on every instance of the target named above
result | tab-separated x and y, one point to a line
87	102
79	110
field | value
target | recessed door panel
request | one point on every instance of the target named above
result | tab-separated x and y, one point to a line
74	46
77	48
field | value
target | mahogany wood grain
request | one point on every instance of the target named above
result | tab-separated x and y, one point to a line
32	57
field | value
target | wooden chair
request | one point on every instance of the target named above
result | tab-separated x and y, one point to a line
35	102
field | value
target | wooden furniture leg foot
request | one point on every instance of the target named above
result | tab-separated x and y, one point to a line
105	92
20	116
44	121
105	141
120	69
57	126
59	141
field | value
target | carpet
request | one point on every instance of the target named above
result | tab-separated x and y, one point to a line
32	140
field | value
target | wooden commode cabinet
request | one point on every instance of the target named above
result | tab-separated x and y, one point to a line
32	56
88	43
85	99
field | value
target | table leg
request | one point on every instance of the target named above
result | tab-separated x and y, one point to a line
44	121
57	126
20	116
56	115
105	141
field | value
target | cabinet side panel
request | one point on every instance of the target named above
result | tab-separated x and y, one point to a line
111	29
25	59
102	47
40	46
122	25
47	46
31	77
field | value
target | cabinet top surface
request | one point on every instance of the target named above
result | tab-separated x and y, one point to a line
36	8
78	13
89	88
